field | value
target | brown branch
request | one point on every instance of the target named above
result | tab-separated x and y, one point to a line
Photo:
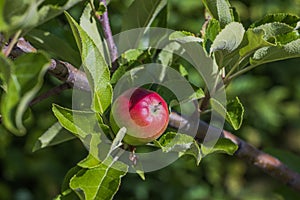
113	51
52	92
269	164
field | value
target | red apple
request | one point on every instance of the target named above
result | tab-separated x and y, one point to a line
143	112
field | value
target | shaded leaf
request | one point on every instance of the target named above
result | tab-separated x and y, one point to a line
27	14
95	68
142	13
53	45
54	135
24	81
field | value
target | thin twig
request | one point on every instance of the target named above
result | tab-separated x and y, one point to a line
52	92
113	51
12	43
267	163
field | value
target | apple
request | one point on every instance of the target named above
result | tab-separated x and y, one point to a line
143	112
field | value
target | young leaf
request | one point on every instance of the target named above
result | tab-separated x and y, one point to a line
220	10
25	80
89	25
285	18
101	182
54	135
223	145
255	40
275	53
211	32
181	143
184	37
141	13
94	66
272	30
229	38
233	114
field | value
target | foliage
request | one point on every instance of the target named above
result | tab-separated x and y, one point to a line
235	46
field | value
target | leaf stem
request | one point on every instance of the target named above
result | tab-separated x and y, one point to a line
246	69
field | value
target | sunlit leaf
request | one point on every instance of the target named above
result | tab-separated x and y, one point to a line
95	68
181	143
220	10
275	53
101	182
223	145
229	38
80	123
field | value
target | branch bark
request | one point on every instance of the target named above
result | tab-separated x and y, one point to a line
113	51
269	164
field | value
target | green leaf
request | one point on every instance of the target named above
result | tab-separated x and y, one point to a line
80	123
5	71
272	30
95	68
89	162
132	54
141	13
167	53
53	45
181	143
26	14
223	145
3	25
89	25
184	37
255	40
235	113
229	38
53	136
276	53
220	10
24	81
101	182
211	32
285	18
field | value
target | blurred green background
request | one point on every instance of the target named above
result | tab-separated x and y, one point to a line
269	93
